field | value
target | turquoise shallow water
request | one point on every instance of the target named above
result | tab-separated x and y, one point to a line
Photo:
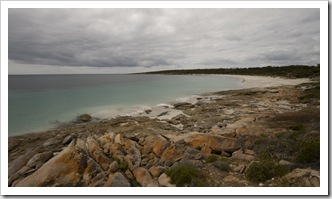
40	102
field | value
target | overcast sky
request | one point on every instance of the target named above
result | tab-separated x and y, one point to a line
135	40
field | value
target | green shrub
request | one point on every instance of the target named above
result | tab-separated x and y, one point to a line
283	183
309	151
199	148
222	165
211	158
123	166
185	175
264	170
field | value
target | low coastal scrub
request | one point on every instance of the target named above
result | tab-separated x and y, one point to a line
309	151
264	170
292	71
185	175
222	165
292	145
213	158
311	94
299	142
198	148
123	166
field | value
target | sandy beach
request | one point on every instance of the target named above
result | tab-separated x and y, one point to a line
263	81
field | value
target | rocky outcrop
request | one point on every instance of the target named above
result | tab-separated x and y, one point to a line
172	154
117	180
246	155
84	118
154	143
304	177
215	143
144	178
165	181
133	157
97	153
65	169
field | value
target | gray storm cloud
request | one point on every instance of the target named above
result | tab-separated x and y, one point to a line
164	37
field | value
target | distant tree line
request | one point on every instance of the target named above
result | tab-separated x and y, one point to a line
292	71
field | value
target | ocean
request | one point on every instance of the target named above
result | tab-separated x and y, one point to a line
41	102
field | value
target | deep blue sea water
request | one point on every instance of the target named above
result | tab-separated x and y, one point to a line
40	102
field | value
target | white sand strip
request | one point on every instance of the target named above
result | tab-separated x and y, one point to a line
264	81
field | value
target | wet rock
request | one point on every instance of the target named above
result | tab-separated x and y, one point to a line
144	178
162	113
183	105
84	118
148	111
117	180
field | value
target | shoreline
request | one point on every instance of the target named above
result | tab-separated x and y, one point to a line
246	81
227	124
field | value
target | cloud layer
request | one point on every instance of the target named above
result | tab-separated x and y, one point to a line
163	38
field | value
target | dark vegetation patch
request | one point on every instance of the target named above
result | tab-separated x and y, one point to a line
311	94
263	170
302	117
222	165
211	158
292	71
296	138
186	175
